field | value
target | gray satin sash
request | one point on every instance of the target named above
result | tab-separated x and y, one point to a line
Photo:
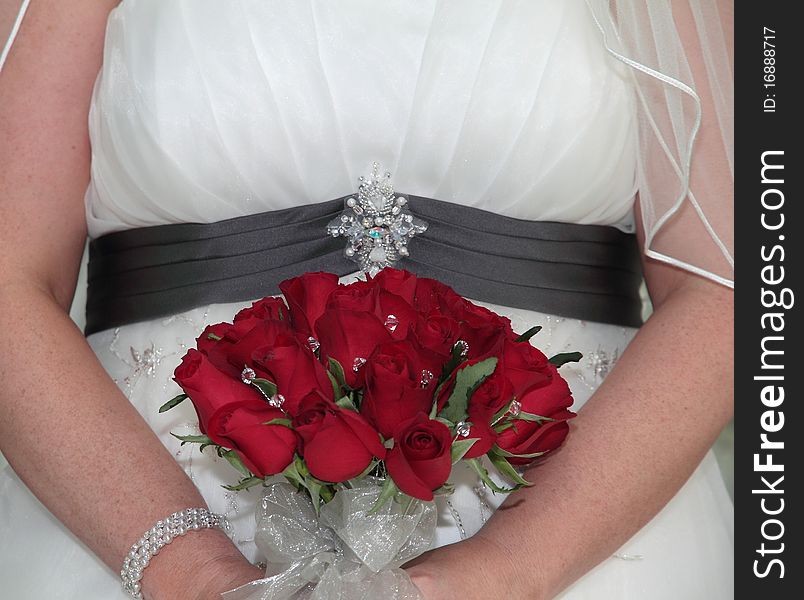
589	272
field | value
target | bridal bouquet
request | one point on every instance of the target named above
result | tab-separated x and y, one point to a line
363	396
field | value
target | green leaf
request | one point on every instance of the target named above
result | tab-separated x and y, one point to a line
529	334
244	484
212	336
486	478
291	473
236	462
336	387
175	401
337	371
504	425
283	422
346	402
445	490
446	422
501	452
388	491
506	470
467	381
193	439
268	388
565	357
501	413
526	416
315	493
461	447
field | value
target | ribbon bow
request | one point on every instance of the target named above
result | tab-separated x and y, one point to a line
346	553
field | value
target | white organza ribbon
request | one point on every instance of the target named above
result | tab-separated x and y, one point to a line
346	553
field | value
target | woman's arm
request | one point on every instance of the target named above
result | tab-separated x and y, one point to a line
661	409
66	429
636	441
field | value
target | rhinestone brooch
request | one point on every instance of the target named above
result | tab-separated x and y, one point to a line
377	224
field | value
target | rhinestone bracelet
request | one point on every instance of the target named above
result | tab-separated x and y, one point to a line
160	535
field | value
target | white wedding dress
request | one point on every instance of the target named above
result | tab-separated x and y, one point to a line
211	109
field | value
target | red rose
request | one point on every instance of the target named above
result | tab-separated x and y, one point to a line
397	281
210	390
358	296
432	294
395	313
421	459
290	363
348	335
530	437
205	343
437	332
550	400
394	389
473	315
337	444
233	352
269	308
550	397
264	449
492	395
307	296
524	366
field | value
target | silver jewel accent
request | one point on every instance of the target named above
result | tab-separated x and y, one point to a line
391	323
313	343
377	224
462	429
277	400
427	378
602	362
358	362
463	348
248	375
515	408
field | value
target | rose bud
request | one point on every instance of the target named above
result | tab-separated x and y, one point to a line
431	294
291	365
350	337
233	352
264	449
394	389
397	281
524	366
267	309
307	297
530	437
209	389
337	444
490	397
360	296
437	332
421	459
551	400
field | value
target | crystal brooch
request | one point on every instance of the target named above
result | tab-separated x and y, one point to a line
376	223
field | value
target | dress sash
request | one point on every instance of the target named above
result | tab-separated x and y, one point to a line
589	272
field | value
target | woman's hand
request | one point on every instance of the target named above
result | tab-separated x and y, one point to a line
476	569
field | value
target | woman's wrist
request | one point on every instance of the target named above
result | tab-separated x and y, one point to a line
198	566
478	568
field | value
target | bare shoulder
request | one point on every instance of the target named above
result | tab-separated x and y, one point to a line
45	92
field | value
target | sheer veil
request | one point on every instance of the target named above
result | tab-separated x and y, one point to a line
681	57
680	54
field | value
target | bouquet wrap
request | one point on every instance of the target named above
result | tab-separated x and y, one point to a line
348	552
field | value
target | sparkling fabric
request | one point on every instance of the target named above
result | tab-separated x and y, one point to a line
350	552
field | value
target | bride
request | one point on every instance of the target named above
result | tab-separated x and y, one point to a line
586	116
